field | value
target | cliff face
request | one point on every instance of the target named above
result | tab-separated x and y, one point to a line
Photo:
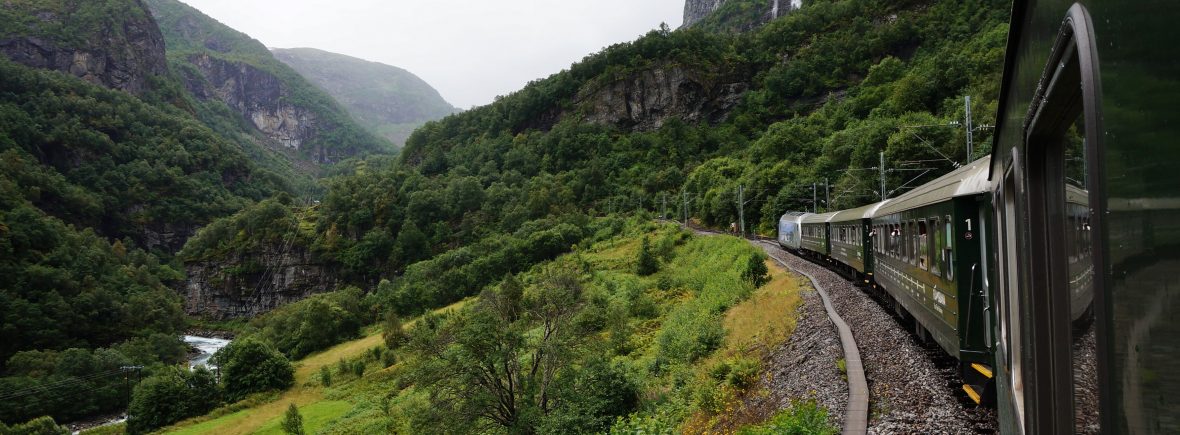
223	289
741	15
112	44
258	95
644	100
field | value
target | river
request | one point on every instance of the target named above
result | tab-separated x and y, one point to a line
207	346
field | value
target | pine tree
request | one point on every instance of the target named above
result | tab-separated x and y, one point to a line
293	422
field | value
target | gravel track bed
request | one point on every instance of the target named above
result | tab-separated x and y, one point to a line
912	388
804	367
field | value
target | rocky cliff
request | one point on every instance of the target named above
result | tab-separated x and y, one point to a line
646	99
113	44
252	284
737	14
259	96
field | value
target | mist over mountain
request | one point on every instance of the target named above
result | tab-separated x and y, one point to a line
387	100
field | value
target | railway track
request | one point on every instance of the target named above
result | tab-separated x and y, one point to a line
912	388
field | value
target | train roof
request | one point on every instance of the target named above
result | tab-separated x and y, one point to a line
818	218
971	179
863	212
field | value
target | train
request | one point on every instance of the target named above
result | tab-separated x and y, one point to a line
1050	269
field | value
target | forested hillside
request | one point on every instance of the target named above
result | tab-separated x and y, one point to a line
387	100
827	88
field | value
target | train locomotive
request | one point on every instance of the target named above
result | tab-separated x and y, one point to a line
1049	269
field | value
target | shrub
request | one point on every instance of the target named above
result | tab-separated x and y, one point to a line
325	376
37	426
801	418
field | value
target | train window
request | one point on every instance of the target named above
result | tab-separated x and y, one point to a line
948	251
923	246
936	258
913	233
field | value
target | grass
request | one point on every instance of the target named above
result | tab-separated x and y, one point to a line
307	393
767	318
315	417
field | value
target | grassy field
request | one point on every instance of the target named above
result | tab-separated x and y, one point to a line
307	395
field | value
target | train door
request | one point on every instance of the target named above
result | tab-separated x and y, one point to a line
1012	342
1061	132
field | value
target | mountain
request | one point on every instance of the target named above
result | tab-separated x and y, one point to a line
387	100
220	65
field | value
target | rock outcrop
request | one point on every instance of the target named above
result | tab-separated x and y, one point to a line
646	99
697	10
122	50
259	96
255	283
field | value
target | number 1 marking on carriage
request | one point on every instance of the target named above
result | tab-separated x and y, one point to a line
968	224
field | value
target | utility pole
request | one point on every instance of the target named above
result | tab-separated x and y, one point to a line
814	203
664	206
883	194
685	209
827	195
970	133
741	211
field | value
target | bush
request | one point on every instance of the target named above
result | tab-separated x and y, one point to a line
801	418
313	324
251	366
37	426
325	376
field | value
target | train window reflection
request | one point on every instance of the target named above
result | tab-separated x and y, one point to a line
923	246
1080	274
936	262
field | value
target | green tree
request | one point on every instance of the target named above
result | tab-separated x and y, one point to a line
171	396
489	367
292	421
756	272
647	263
392	331
325	376
250	366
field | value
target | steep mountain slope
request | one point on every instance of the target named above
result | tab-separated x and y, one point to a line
220	64
387	100
673	122
113	44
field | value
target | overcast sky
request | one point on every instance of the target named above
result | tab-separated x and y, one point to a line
470	50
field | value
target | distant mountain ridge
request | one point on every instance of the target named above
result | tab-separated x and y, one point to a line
387	100
218	63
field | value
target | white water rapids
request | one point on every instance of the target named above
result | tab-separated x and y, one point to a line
207	345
